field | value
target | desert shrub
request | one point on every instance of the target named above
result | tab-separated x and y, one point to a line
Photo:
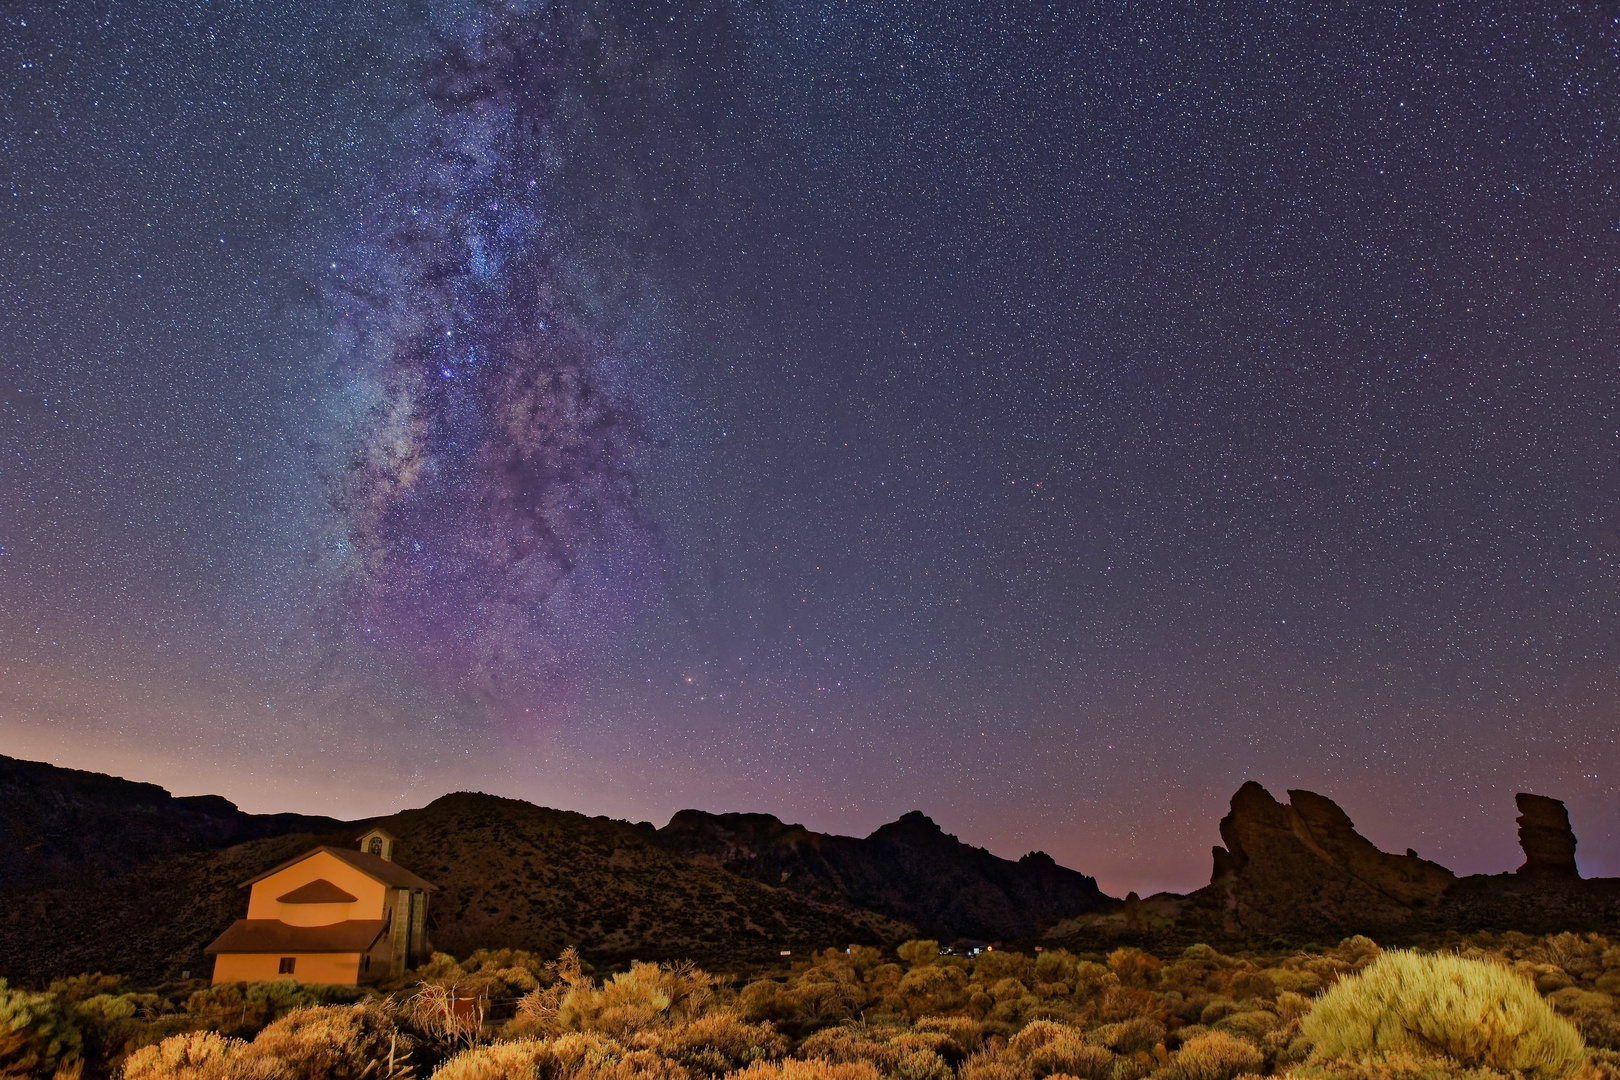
645	996
490	972
715	1043
1056	966
244	1009
1592	1013
992	1064
933	989
1129	1036
1135	967
1214	1055
331	1042
519	1059
765	1001
1357	952
1291	1006
1070	1055
1252	1024
850	1043
1286	981
1405	1065
962	1034
992	966
794	1069
111	1025
191	1055
1126	1002
37	1037
918	952
1479	1014
1252	984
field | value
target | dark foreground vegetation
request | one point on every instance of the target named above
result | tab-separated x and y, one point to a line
1490	1006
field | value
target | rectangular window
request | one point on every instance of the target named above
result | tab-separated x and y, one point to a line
287	963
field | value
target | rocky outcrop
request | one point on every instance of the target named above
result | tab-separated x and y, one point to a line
1301	866
910	869
1299	871
1545	836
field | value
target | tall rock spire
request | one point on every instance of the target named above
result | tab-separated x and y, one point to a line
1545	835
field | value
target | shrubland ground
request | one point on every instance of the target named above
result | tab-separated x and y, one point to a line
1492	1006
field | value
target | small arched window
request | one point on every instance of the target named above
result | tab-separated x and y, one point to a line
376	845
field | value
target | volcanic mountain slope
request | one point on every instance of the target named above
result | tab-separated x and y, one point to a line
59	824
514	874
909	869
508	874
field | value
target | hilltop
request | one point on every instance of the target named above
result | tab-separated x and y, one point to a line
510	874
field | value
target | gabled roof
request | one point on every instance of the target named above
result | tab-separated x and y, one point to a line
386	835
319	891
275	936
373	866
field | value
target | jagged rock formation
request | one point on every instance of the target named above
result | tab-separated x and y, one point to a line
1287	866
910	870
1545	836
1299	871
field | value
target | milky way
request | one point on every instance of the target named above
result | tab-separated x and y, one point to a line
487	493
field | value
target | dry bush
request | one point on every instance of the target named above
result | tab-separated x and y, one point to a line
1129	1036
1592	1013
647	995
1127	1002
519	1059
1214	1055
849	1043
794	1069
991	1064
919	952
37	1037
1071	1055
715	1043
963	1033
1404	1065
244	1009
1253	1025
332	1042
1478	1013
1135	967
191	1055
933	989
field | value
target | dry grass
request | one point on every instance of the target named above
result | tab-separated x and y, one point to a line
860	1015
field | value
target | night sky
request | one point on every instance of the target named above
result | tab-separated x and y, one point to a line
1046	416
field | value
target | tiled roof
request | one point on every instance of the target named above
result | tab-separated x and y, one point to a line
275	936
319	891
372	865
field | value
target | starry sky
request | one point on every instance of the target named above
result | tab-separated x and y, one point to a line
1044	415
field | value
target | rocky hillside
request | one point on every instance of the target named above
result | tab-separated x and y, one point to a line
59	824
509	874
910	870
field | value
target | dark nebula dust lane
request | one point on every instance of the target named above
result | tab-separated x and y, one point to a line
1044	417
488	487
